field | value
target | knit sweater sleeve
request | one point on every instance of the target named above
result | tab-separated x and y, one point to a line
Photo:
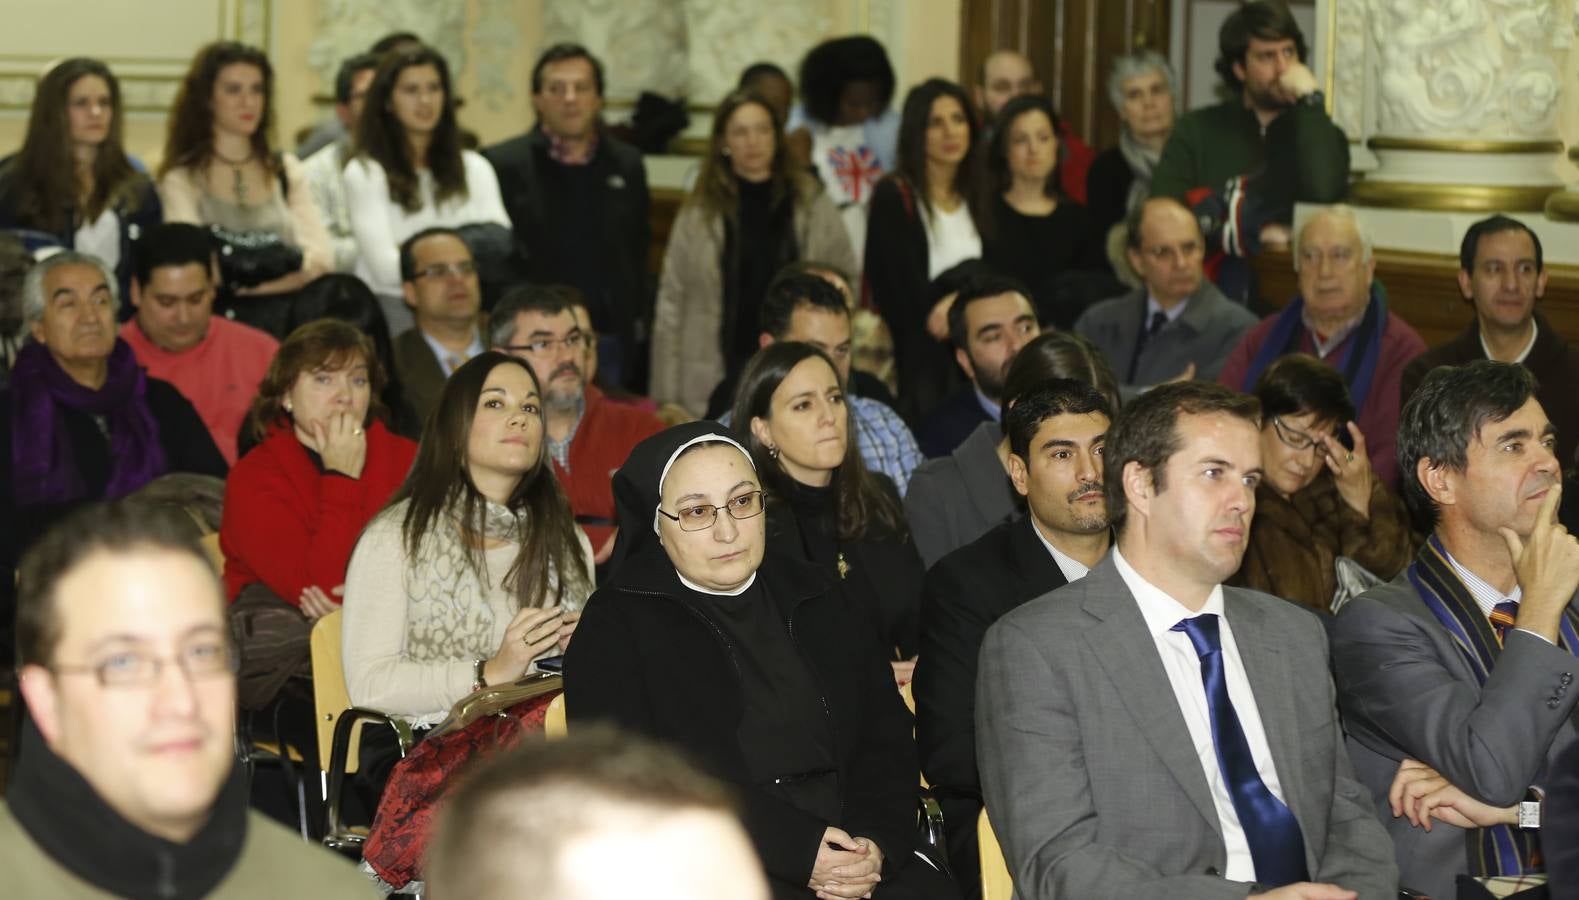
378	673
367	198
484	203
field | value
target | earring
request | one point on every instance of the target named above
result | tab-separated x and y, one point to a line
287	406
773	451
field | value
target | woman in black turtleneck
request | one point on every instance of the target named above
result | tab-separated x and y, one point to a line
825	507
750	662
749	215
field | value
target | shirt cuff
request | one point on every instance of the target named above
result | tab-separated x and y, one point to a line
1533	634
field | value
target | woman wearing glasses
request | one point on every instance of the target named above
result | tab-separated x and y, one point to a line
751	662
1320	499
828	509
410	172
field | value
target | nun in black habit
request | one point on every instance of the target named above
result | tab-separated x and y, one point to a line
750	661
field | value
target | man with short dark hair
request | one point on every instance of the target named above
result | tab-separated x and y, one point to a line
1463	667
215	363
127	784
1148	732
1056	433
1178	325
600	815
588	435
439	280
990	319
324	166
1274	129
1502	275
805	307
577	197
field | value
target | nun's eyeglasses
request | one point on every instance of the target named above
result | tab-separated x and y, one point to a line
703	516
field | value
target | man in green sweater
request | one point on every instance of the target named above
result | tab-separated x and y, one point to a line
1273	131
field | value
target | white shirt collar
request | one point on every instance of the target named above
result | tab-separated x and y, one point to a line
444	355
702	590
1153	307
1073	569
1535	331
994	410
1486	596
1160	610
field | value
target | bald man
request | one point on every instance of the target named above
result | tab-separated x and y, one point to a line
1340	316
1006	74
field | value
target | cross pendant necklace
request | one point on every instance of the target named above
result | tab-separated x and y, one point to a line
236	168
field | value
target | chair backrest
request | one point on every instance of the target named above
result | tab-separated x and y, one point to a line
330	696
554	726
995	881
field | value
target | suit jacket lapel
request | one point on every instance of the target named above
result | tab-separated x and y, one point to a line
1033	565
1129	657
1272	685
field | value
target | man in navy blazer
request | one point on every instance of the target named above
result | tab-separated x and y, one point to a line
1056	434
1178	325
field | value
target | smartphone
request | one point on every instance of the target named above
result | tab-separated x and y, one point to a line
552	664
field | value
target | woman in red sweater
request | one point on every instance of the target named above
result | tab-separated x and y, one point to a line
295	504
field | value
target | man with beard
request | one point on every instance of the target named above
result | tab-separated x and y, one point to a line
990	320
1274	128
1148	732
439	279
589	436
1463	667
1056	433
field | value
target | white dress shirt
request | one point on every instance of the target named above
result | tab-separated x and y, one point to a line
1183	666
1073	569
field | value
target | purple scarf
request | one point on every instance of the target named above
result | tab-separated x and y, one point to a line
43	466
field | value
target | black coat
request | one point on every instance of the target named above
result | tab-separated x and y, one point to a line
1107	190
620	200
967	591
951	423
646	658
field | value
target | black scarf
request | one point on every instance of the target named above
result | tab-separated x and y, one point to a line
73	825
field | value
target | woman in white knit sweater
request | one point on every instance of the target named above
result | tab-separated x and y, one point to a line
410	172
476	568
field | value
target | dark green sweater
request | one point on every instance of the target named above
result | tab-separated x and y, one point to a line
1305	155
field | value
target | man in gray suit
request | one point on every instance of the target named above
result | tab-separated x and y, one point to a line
1179	325
1147	732
1455	680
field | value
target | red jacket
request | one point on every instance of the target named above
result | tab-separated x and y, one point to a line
604	437
290	526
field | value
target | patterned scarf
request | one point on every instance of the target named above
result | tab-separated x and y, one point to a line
1500	849
1357	362
43	467
1142	160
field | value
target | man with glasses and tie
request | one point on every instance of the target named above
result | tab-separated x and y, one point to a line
1456	680
127	783
1340	316
589	435
1146	731
439	280
1178	325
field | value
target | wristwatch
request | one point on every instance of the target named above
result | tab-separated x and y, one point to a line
1314	98
1530	810
478	680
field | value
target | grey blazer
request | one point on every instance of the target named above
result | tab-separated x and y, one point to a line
1089	774
1204	334
1406	690
955	499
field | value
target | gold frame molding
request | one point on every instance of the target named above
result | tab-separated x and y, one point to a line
1452	197
1563	206
1431	145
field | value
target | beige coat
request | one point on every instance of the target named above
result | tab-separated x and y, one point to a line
687	362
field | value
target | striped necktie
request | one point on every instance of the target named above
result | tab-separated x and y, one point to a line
1503	615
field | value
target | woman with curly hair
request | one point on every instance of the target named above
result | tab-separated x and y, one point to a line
72	181
219	170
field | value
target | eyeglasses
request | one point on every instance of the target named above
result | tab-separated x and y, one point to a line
134	668
573	341
439	270
703	516
1296	440
1340	257
1165	252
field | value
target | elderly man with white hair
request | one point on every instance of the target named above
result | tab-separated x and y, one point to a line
81	420
1339	316
1141	86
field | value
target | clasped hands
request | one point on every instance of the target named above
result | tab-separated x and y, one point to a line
1421	793
845	866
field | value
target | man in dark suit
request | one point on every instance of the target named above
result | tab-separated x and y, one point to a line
1056	433
1178	325
990	319
1465	662
1146	731
439	280
577	198
1502	274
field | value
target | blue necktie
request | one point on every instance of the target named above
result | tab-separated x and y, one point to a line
1276	845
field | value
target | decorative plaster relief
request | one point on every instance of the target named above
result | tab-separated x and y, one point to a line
1348	67
348	27
643	43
